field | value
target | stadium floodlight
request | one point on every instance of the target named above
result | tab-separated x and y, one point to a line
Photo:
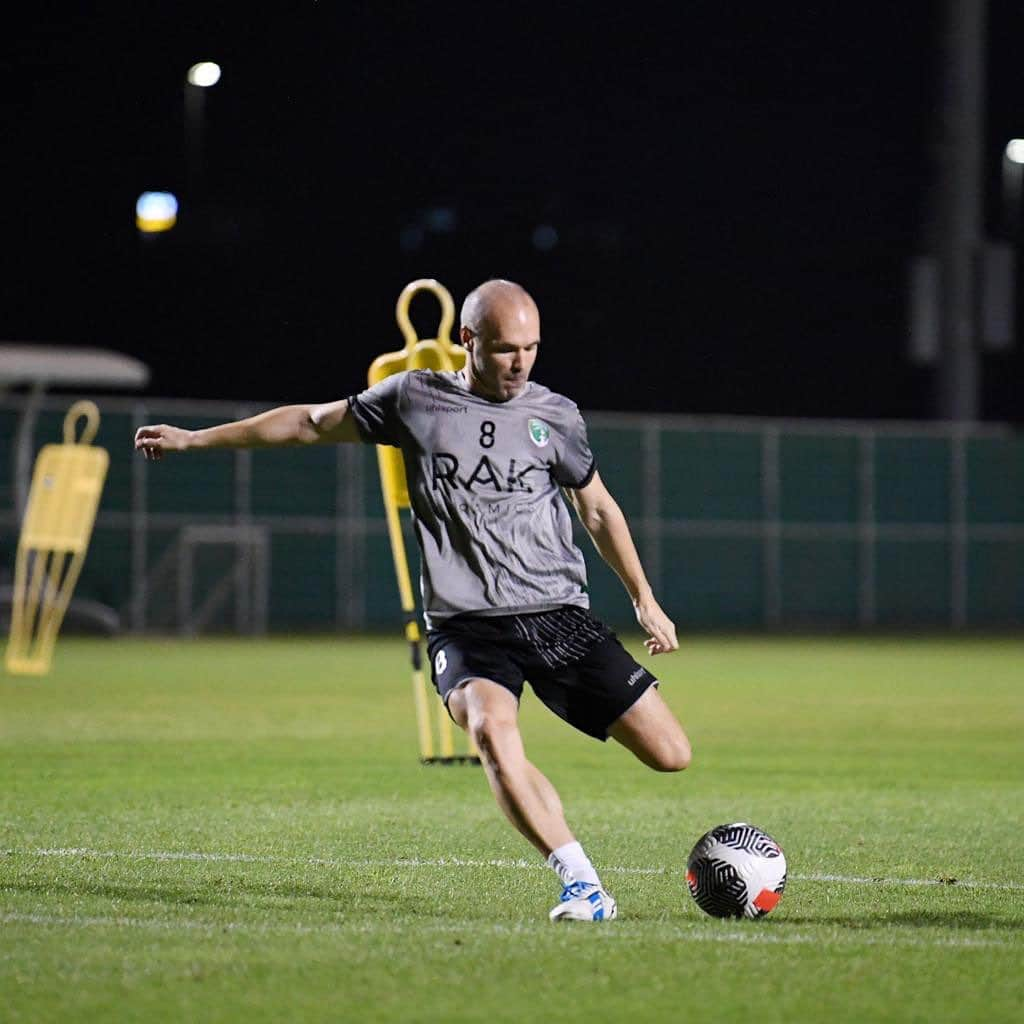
204	74
1015	151
156	211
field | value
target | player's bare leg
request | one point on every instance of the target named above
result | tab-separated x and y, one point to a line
651	731
490	714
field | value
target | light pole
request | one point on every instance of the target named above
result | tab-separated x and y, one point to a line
957	216
199	78
1013	182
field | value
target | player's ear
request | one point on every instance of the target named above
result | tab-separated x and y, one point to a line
466	336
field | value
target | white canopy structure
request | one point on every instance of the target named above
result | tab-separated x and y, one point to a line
43	366
39	367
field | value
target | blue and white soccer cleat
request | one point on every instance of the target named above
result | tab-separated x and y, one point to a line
582	901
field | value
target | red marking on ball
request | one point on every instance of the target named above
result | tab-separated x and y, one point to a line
767	900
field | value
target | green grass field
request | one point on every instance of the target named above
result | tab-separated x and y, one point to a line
234	831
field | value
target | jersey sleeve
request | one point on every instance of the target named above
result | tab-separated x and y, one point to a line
377	411
576	464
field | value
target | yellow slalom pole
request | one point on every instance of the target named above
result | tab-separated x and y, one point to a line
438	353
405	593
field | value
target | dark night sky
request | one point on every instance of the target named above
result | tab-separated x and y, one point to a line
737	190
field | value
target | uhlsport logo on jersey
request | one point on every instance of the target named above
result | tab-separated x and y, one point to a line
540	433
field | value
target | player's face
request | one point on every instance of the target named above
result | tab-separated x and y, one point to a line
502	356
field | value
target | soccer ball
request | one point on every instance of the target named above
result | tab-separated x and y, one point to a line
736	871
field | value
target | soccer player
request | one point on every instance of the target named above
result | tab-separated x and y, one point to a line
488	453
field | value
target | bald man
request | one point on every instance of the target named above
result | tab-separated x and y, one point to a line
488	454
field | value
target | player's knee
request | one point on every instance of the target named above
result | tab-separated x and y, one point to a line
672	754
490	731
458	708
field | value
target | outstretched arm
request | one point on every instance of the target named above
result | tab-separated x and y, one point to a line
600	514
286	425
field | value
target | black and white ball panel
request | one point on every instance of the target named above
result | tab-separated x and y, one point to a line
736	870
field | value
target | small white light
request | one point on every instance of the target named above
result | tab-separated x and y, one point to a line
156	211
204	74
1015	151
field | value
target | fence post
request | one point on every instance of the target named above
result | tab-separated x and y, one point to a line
244	621
771	527
349	538
867	604
652	434
139	531
958	528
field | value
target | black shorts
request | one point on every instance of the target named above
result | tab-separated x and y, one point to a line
574	663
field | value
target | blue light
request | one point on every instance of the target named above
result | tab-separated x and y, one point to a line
156	211
545	237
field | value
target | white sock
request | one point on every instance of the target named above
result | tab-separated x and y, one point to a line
571	864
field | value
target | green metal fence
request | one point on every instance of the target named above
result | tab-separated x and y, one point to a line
741	524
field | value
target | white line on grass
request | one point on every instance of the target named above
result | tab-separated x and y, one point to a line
698	933
85	853
951	883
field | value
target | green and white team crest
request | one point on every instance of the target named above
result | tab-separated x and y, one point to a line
540	432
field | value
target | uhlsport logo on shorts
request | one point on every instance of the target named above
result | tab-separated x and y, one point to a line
440	662
540	433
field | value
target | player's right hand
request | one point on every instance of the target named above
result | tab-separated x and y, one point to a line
155	440
660	629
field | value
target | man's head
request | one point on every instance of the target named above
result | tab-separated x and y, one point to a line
501	331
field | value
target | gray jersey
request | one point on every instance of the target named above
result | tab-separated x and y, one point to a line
494	531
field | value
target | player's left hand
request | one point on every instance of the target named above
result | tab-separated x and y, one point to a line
660	628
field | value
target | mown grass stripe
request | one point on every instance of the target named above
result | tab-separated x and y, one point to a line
615	932
86	853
